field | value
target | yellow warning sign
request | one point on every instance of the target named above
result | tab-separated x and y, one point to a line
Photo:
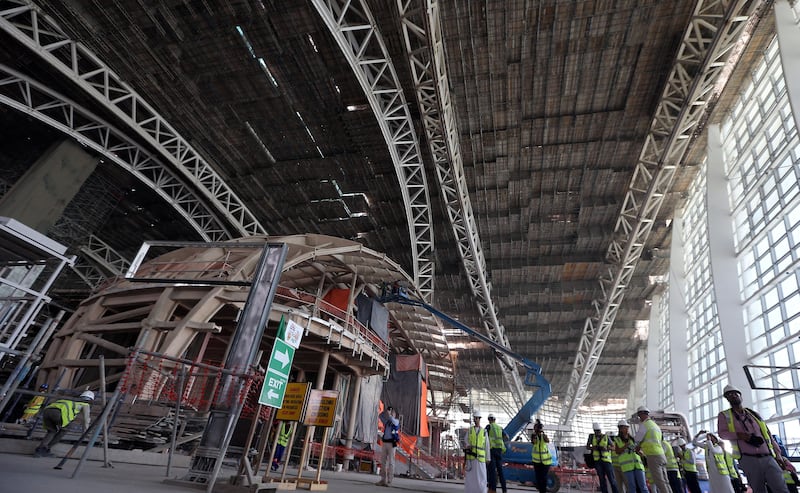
321	408
293	402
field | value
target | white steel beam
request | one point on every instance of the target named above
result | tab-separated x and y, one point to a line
19	92
104	256
353	27
25	22
709	43
425	48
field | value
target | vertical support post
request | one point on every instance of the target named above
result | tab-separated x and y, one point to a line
355	395
178	403
106	462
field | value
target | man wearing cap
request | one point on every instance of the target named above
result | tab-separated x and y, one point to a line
752	444
601	445
57	416
476	451
648	442
389	439
497	439
689	466
540	456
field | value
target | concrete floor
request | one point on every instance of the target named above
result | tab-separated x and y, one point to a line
23	473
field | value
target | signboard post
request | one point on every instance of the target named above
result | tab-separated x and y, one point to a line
280	363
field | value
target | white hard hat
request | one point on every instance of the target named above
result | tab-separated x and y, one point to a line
730	388
595	426
476	413
680	442
623	422
491	416
642	409
88	395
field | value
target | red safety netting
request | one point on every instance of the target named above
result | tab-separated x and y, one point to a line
155	378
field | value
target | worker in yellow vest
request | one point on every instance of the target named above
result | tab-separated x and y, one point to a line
617	443
790	475
33	407
673	470
476	452
600	445
283	433
629	461
689	466
540	456
719	478
752	444
57	416
648	442
497	445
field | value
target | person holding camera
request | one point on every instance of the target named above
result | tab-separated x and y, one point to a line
540	456
390	438
752	443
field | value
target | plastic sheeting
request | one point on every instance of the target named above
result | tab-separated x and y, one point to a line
373	315
366	424
404	392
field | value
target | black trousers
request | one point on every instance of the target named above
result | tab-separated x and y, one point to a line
541	476
51	420
692	483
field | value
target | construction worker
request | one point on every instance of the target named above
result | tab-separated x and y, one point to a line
600	445
540	456
57	416
673	470
33	407
719	477
733	469
752	444
629	461
284	432
497	439
476	450
616	444
689	466
648	442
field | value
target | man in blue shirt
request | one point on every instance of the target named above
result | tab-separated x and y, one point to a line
390	439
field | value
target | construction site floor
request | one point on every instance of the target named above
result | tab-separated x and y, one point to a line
24	473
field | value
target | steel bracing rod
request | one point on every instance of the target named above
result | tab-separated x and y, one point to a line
425	48
27	96
353	27
89	273
714	30
104	256
25	22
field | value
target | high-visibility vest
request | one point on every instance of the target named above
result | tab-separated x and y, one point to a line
286	432
477	444
69	409
32	409
737	454
672	462
688	461
617	442
540	453
787	477
719	462
605	455
495	436
731	468
629	460
651	443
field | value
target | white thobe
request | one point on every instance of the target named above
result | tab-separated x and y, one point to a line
474	470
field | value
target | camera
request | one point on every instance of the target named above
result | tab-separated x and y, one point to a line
755	441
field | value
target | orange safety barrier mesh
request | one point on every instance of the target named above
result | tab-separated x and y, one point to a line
157	379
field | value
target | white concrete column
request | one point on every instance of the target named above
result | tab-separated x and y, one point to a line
787	25
678	318
652	356
724	268
354	397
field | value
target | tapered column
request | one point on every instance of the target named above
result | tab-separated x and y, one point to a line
787	26
355	395
39	198
678	318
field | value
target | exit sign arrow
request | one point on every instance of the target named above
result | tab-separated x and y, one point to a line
283	358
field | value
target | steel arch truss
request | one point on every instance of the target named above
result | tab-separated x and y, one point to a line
353	28
30	97
425	48
714	30
24	21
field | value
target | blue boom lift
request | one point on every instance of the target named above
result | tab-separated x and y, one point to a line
518	454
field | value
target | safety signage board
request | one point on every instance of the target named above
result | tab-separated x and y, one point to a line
321	408
294	402
280	364
293	334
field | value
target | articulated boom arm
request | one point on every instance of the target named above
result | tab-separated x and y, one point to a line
533	375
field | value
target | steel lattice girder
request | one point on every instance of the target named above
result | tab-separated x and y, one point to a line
101	253
424	46
353	28
715	28
42	35
30	97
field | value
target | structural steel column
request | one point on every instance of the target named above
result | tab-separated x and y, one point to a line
355	395
724	268
39	198
787	25
678	318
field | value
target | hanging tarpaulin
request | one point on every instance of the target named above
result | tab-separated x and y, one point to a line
404	392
